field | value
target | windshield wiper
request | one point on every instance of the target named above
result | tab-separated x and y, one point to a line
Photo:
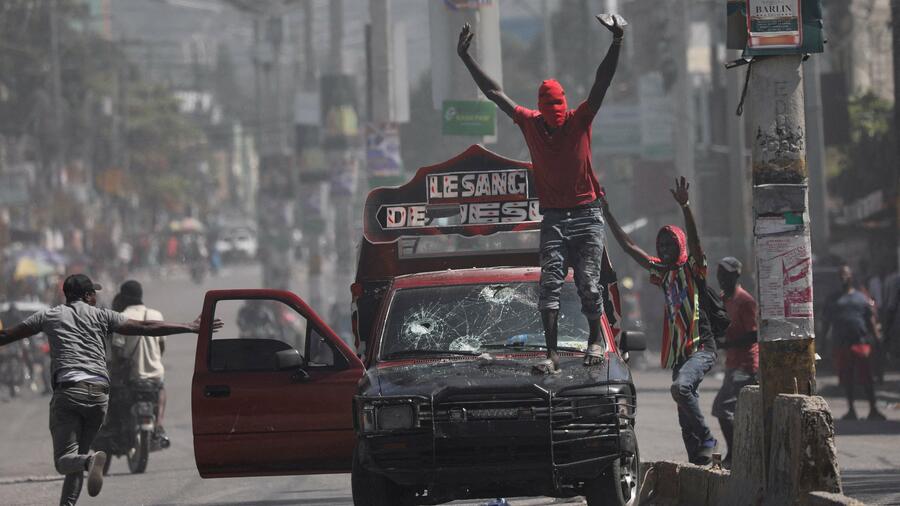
409	353
521	346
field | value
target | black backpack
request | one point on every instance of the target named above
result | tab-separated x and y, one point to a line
711	303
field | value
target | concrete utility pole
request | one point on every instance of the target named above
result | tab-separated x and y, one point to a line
56	97
783	254
815	154
895	26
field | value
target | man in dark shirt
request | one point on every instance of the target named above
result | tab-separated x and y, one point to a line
853	326
76	332
572	229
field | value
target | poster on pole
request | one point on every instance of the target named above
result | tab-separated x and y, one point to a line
383	159
785	277
774	24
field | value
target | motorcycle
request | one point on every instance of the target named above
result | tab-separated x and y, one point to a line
131	430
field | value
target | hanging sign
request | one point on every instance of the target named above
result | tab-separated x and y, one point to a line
774	24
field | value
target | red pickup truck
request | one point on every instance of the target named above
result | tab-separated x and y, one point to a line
437	401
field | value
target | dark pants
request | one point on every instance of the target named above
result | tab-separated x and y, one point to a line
686	378
726	401
76	414
573	238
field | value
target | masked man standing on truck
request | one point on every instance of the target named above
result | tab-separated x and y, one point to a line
572	230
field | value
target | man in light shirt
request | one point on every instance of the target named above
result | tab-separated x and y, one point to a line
76	331
140	357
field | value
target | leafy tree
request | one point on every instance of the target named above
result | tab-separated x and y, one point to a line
869	162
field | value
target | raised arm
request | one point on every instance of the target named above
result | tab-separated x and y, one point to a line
161	328
486	84
634	251
607	68
15	333
680	193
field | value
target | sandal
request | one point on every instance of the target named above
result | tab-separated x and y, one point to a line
593	351
545	366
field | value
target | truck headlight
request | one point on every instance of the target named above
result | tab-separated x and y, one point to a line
399	416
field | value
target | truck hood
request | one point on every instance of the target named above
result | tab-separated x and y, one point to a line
427	377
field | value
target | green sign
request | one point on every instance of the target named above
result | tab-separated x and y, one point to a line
469	117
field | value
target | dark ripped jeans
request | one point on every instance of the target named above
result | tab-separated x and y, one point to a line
572	238
76	414
686	378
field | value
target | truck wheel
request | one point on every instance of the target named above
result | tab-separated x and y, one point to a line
620	482
373	489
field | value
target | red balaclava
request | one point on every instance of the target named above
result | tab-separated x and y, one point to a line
678	234
552	102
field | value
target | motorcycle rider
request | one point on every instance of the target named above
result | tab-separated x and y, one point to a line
139	358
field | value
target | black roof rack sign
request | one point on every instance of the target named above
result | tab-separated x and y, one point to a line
476	193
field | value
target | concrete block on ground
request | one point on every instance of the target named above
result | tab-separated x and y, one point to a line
828	499
748	472
701	485
660	485
803	456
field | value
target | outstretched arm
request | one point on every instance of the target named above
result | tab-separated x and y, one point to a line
680	193
634	251
607	68
486	84
14	333
161	328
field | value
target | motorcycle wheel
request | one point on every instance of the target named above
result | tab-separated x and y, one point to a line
138	455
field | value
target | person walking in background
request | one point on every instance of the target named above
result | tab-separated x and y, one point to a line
76	331
851	320
572	230
688	344
741	348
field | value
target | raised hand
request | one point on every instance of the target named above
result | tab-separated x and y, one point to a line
611	22
465	40
680	193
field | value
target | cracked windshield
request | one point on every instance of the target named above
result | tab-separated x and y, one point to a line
471	319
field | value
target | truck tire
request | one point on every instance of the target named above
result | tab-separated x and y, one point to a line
373	489
620	483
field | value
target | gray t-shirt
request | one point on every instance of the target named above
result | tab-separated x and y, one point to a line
76	335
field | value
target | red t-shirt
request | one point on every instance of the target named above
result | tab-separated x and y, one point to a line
742	310
563	172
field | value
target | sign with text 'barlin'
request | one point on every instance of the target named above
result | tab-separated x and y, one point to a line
775	27
475	193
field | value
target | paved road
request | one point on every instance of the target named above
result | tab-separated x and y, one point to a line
868	451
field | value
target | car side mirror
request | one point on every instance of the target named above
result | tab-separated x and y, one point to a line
633	341
286	360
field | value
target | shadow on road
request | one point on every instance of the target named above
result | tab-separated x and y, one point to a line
866	428
872	485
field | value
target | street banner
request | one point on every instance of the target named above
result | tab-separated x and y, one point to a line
383	159
469	117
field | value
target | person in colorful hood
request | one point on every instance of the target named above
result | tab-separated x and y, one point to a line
688	346
572	229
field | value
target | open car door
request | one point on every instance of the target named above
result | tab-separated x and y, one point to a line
272	390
